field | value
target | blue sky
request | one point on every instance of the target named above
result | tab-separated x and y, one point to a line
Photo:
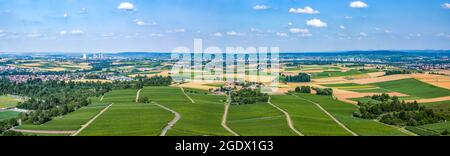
161	25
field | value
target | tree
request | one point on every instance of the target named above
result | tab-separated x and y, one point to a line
303	89
143	99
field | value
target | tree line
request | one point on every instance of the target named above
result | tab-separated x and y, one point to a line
392	111
48	99
301	77
248	96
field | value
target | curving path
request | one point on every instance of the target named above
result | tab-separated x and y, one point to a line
137	95
224	117
329	114
288	118
171	123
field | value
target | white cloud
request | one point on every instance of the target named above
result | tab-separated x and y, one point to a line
446	5
443	35
157	35
83	11
415	35
348	17
108	35
141	22
66	15
261	7
77	32
126	6
217	34
179	30
233	33
305	35
363	34
358	4
306	10
282	34
387	31
342	27
298	30
1	31
63	32
289	23
316	23
34	35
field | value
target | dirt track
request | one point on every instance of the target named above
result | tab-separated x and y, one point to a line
224	117
172	122
288	118
42	131
90	121
331	116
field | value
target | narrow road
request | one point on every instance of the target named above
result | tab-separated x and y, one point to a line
101	99
90	121
171	123
192	100
224	117
137	95
401	129
329	114
288	118
42	131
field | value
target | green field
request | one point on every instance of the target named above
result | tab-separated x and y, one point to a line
127	118
200	118
71	121
438	105
415	88
358	88
8	115
327	74
344	113
258	119
7	101
308	118
437	127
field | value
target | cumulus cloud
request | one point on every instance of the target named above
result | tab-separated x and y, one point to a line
179	30
348	17
234	33
217	34
279	34
157	35
77	32
306	10
63	32
126	6
358	4
415	35
443	35
108	35
298	30
316	23
261	7
342	27
65	15
141	22
446	5
289	23
34	35
363	34
83	11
